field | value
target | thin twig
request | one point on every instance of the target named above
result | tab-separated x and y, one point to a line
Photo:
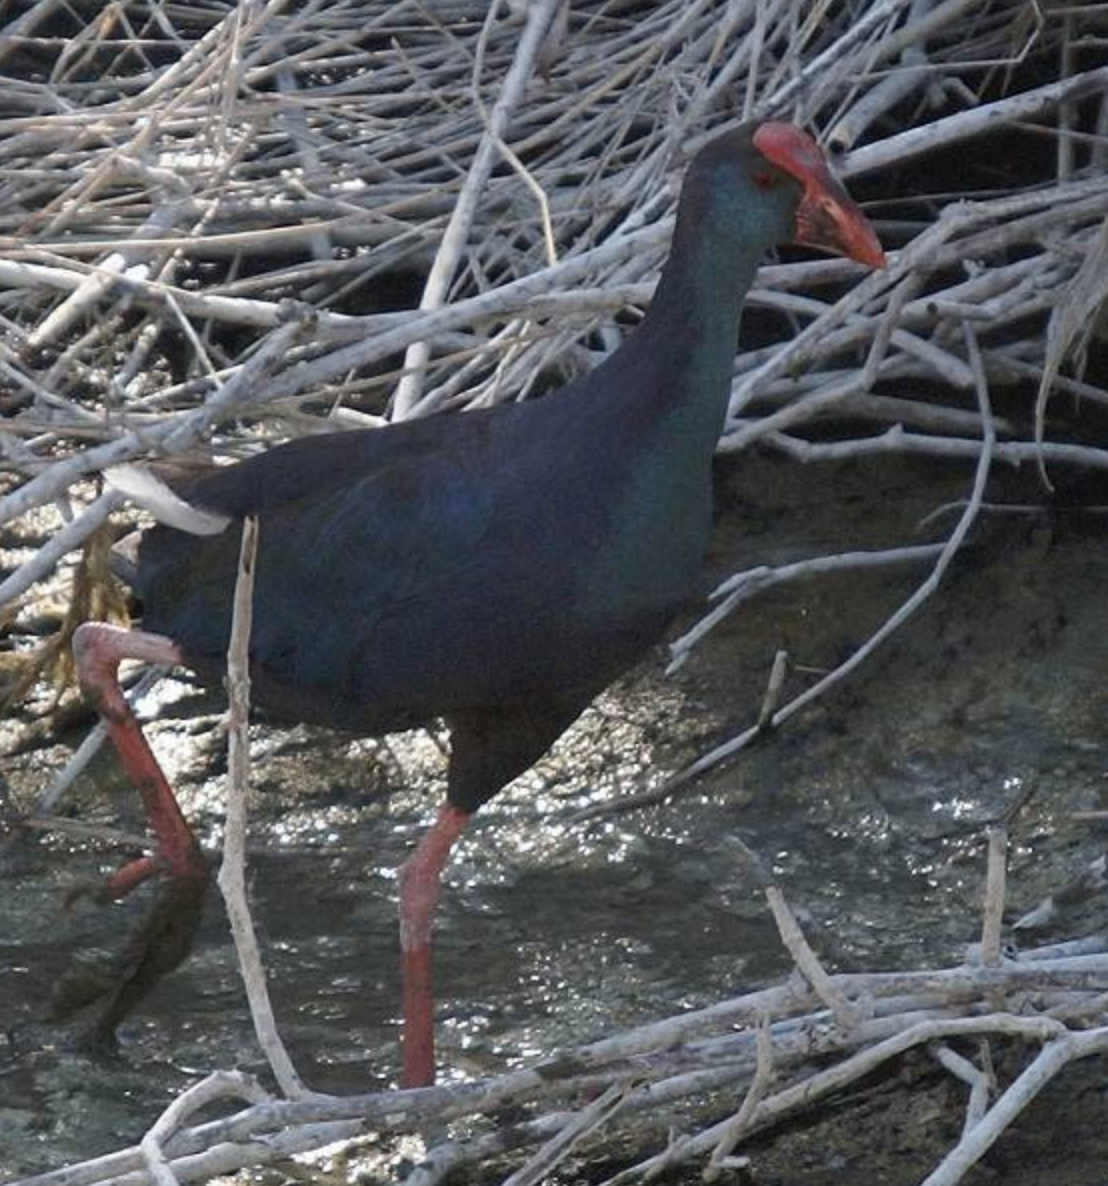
733	1132
232	870
993	913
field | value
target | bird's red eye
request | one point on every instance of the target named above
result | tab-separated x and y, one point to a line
764	179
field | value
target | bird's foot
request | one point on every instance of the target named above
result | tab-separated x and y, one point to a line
179	859
119	884
161	941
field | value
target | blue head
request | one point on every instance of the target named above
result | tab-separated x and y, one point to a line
766	183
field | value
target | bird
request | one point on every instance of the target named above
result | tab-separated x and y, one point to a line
494	569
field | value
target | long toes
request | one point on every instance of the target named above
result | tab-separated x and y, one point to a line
162	940
116	885
90	976
94	889
166	935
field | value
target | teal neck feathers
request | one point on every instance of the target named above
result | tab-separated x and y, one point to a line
690	334
689	337
673	376
672	379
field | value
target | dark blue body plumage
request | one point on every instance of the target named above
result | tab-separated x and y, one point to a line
499	567
439	568
432	566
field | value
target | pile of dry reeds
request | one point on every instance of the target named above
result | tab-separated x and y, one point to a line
217	221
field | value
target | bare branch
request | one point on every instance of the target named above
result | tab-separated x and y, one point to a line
232	871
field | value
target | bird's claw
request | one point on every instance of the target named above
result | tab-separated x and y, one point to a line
161	941
131	875
95	889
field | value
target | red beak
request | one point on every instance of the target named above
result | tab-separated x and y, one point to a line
827	217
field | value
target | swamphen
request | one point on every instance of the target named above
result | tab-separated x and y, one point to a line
496	568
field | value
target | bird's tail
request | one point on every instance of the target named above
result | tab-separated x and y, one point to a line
149	491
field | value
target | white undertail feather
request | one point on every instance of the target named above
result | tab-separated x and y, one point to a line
146	489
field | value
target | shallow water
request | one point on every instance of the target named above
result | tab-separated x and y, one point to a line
869	807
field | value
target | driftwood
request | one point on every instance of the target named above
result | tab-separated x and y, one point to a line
212	218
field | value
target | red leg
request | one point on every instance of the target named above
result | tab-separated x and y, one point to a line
98	649
419	892
166	932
